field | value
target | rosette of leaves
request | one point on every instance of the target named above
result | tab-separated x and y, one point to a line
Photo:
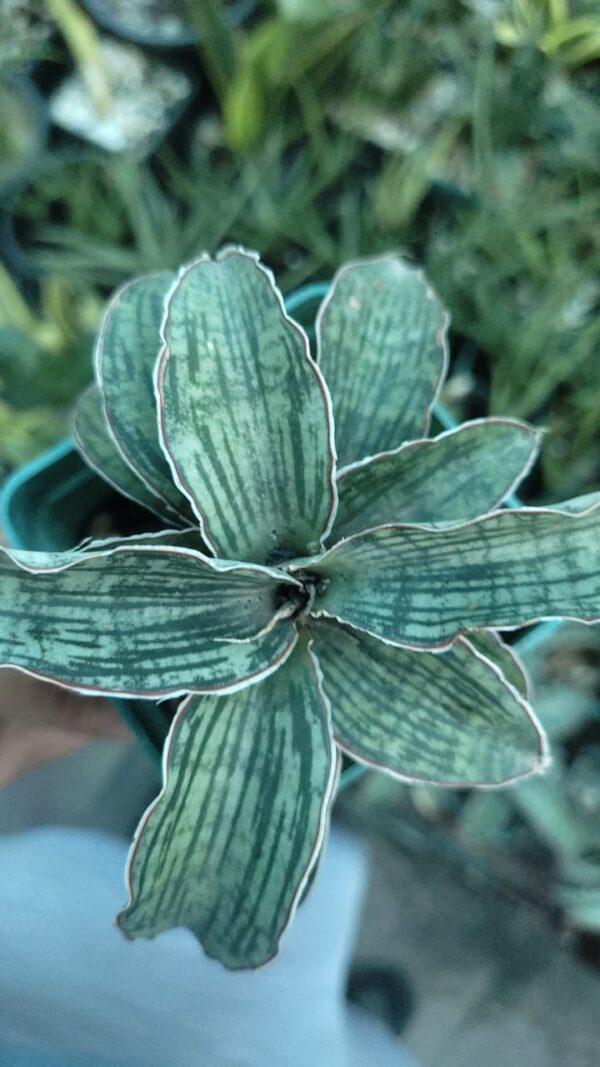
330	581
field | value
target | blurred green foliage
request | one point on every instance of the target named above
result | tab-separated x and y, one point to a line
45	360
466	131
25	31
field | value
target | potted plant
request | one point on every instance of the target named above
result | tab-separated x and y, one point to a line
325	580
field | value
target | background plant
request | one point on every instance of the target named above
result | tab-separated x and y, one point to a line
333	155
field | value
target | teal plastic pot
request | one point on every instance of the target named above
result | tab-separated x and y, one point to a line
48	506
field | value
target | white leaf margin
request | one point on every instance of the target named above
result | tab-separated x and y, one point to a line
167	510
537	434
160	369
575	508
25	560
541	766
98	370
329	794
442	339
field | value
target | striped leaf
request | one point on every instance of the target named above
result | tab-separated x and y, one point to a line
126	354
448	719
188	538
139	620
461	474
489	644
98	449
381	341
228	846
245	413
419	586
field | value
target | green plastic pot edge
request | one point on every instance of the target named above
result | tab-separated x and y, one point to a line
30	499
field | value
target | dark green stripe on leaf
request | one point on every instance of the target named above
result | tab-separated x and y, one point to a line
229	844
245	414
128	347
447	718
97	447
420	586
382	348
459	475
147	621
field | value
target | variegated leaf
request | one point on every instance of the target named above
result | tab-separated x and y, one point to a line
420	586
489	644
446	718
126	354
245	414
228	846
187	538
461	474
381	339
139	620
98	449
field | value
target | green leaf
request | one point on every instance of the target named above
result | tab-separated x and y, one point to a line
314	11
245	413
139	620
381	337
188	538
445	718
98	449
420	586
228	846
489	644
461	474
126	353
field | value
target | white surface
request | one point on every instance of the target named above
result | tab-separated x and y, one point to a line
74	993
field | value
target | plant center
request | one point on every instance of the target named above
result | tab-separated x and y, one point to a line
300	599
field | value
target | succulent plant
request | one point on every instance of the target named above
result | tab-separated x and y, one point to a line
330	580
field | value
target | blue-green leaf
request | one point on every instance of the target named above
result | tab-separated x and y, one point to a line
447	718
381	337
228	846
420	586
126	353
98	448
459	475
178	538
140	620
489	644
245	414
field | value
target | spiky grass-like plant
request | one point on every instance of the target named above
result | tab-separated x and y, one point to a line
332	580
